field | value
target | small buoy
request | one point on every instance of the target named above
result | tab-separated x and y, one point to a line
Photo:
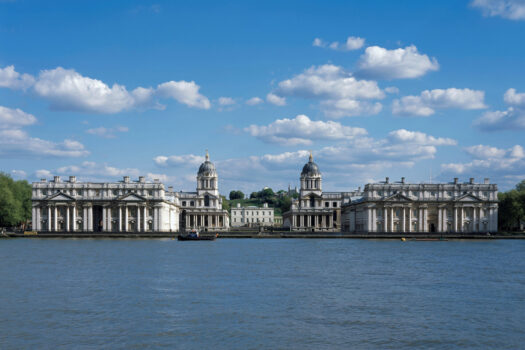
403	239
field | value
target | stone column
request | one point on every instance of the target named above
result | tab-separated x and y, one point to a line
385	219
55	220
210	223
84	219
440	219
104	219
33	218
126	218
155	219
392	219
474	220
67	219
461	219
374	219
146	219
74	219
90	218
138	219
331	221
410	219
49	218
316	221
425	220
119	219
404	220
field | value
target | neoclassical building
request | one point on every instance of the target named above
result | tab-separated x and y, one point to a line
124	206
252	216
314	209
402	207
202	210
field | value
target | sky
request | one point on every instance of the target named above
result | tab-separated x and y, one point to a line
426	90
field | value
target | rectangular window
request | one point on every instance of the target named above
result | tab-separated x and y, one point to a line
334	204
327	204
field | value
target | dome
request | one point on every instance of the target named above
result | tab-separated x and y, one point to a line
310	168
207	168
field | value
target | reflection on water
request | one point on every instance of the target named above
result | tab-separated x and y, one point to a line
253	294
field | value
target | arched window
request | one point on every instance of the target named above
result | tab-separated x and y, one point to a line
206	201
312	202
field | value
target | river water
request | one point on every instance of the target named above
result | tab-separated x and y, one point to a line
261	294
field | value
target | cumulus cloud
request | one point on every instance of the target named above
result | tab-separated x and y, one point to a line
9	78
275	100
107	133
428	101
90	169
17	143
351	43
511	9
15	118
346	107
254	101
419	138
301	130
177	160
67	89
18	174
226	101
502	165
407	63
185	92
513	118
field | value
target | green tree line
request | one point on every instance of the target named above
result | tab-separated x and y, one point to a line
15	201
511	212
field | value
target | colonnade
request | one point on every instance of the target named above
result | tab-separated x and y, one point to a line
196	221
313	220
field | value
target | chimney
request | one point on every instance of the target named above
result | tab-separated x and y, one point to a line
387	180
455	181
265	205
170	188
402	180
142	179
43	180
471	181
238	205
486	181
156	180
72	179
56	178
126	179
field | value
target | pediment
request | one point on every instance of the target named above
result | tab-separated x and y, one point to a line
398	197
468	198
59	196
131	197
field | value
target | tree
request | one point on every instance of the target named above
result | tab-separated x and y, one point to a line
15	201
512	207
225	203
236	195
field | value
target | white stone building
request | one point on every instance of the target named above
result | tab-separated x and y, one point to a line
252	216
125	206
202	210
402	207
314	209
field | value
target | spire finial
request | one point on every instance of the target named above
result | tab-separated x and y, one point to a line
311	157
207	155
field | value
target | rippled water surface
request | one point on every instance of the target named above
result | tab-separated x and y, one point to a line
261	294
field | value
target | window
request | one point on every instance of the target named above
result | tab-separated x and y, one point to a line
80	192
206	201
192	203
380	193
97	192
183	203
398	213
415	193
334	204
115	192
327	204
449	193
150	193
432	193
485	194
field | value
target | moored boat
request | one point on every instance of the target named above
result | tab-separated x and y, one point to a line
195	236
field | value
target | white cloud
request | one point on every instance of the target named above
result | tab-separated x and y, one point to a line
352	43
67	89
18	174
380	63
275	100
302	131
9	78
175	160
329	82
346	107
43	174
17	143
392	90
108	133
511	119
515	99
419	138
94	169
184	92
425	104
226	101
511	9
14	118
254	101
502	165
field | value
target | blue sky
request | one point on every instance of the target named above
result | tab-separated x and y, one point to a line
378	88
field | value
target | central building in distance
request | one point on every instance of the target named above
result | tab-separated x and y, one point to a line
202	210
316	210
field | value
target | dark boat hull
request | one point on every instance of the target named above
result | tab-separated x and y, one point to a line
200	238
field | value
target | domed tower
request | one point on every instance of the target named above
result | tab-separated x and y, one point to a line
207	179
311	179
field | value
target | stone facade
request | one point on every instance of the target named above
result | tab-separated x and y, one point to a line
402	207
252	216
128	206
125	206
314	209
